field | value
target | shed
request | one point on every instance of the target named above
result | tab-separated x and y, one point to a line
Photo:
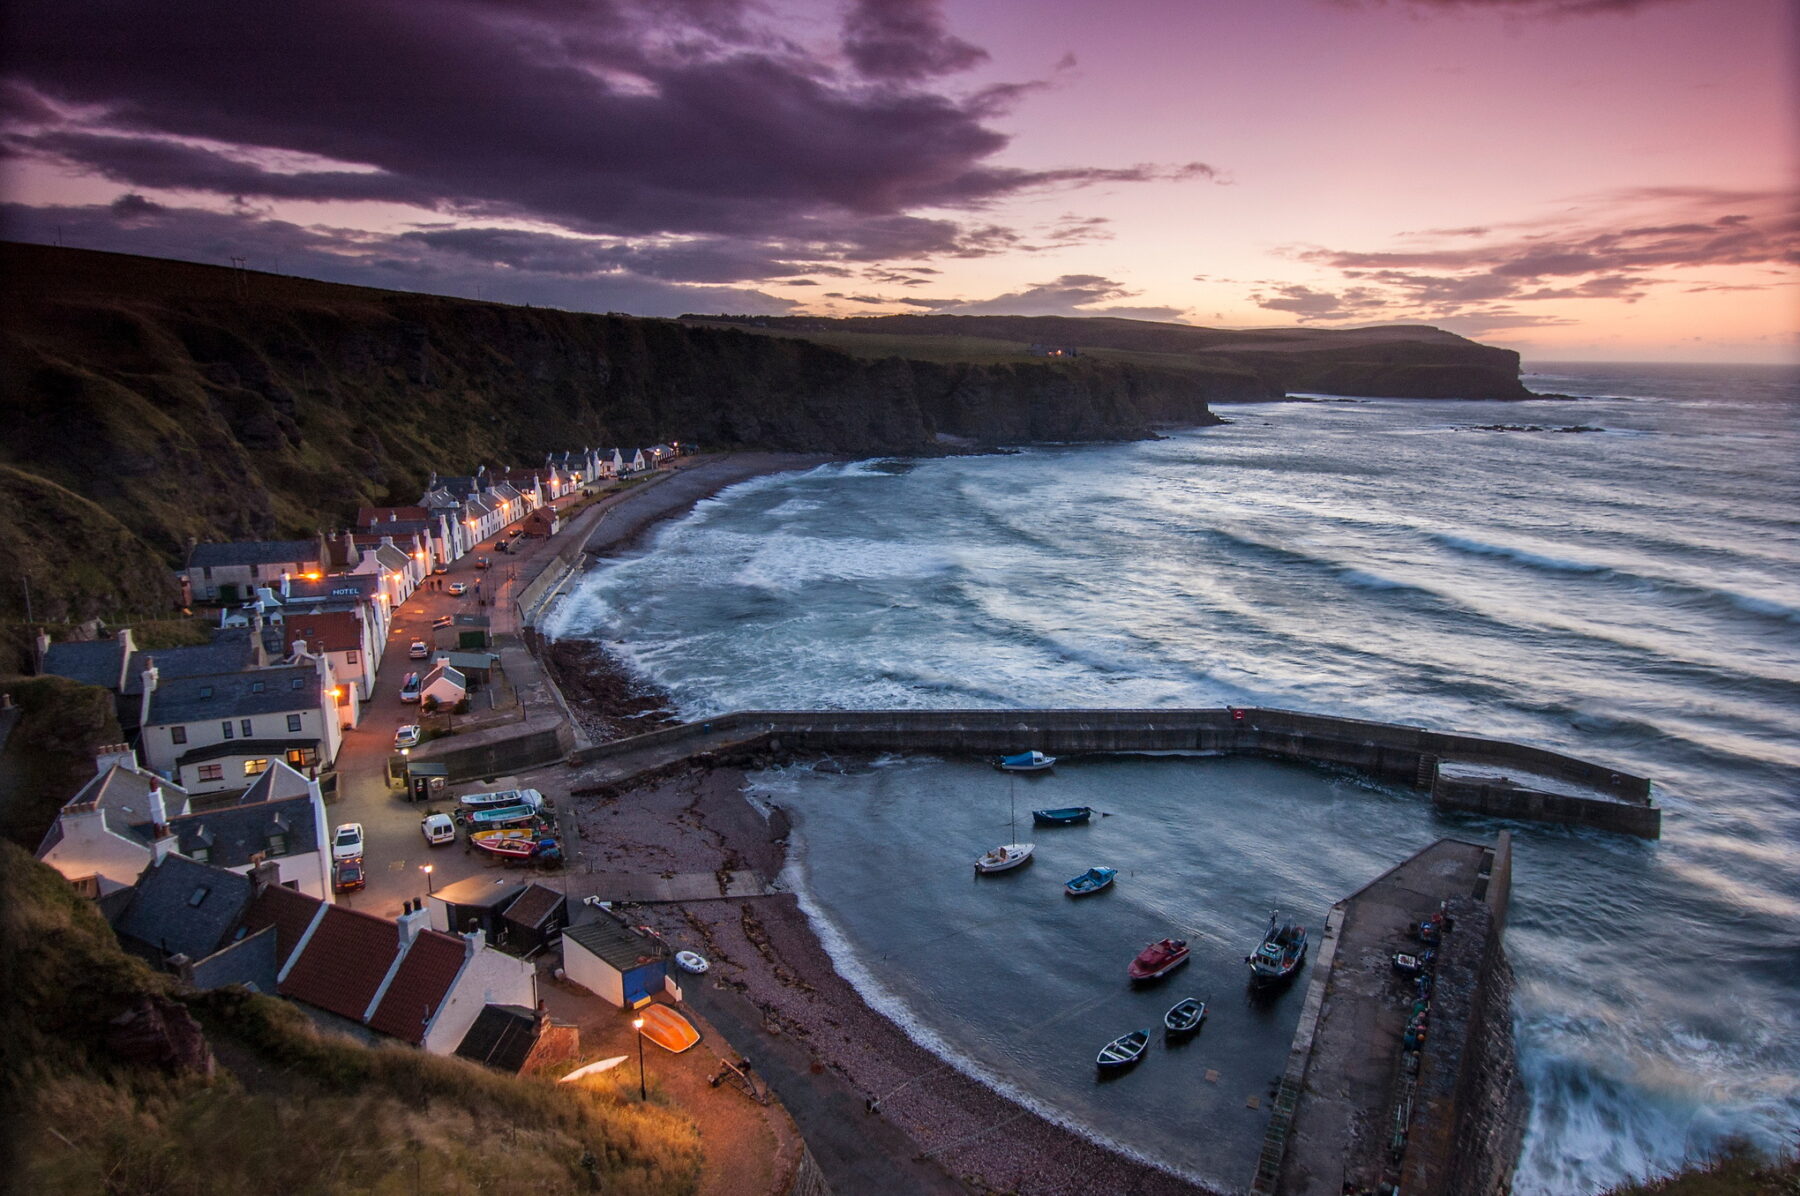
473	904
445	685
530	924
615	962
425	779
477	667
471	632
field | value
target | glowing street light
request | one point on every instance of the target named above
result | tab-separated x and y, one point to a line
637	1023
426	869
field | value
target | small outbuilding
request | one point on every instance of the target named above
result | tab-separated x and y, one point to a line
615	962
531	922
473	904
445	685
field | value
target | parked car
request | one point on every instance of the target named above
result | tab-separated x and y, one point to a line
438	829
499	545
482	562
517	531
407	736
457	587
347	841
443	621
419	650
347	874
439	568
409	688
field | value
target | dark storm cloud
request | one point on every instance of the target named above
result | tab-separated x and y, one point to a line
1069	295
905	40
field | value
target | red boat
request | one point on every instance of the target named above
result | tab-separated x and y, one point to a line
1158	959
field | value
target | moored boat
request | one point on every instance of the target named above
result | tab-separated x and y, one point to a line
1158	959
1091	881
1280	954
1185	1016
1003	857
1124	1050
1066	816
1025	762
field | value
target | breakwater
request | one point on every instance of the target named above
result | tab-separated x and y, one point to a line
1490	776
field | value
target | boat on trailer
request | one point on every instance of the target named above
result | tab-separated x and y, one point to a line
1026	762
1091	881
1066	816
1123	1051
516	843
1185	1016
1158	959
1280	954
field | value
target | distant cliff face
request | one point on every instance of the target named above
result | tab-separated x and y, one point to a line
181	400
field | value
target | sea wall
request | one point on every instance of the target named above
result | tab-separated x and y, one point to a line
1408	755
498	751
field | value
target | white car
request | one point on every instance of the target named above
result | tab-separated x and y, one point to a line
407	736
438	828
409	688
457	587
419	650
347	841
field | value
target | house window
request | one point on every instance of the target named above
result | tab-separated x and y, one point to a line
200	855
350	657
255	767
256	687
303	757
297	683
206	572
244	725
206	691
212	772
277	844
293	722
226	728
177	734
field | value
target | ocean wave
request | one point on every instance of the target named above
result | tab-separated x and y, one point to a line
1536	560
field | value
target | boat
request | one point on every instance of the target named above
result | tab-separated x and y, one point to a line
691	961
1091	881
1025	762
1158	959
482	820
1185	1016
1280	954
501	799
668	1029
1067	816
1007	855
514	843
1124	1050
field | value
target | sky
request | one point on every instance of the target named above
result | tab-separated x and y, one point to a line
1575	179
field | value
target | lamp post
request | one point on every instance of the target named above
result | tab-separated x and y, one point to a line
637	1023
426	869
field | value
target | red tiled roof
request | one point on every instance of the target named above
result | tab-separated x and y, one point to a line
344	962
420	986
334	631
289	911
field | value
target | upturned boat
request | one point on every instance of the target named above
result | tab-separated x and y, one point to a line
1091	881
1025	762
1185	1016
1123	1051
1066	816
1158	959
1280	954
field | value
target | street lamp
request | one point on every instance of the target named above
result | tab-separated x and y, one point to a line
426	869
637	1023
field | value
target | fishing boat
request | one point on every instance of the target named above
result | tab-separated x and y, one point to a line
1025	762
1185	1016
1158	959
514	843
501	799
1007	855
1280	954
502	816
1091	881
1067	816
1124	1050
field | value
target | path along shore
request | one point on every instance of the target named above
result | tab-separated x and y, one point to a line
879	1112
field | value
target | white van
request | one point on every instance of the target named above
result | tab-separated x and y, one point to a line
438	829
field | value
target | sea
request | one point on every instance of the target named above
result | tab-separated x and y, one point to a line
1611	571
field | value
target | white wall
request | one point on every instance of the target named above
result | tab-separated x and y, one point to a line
593	973
489	978
88	848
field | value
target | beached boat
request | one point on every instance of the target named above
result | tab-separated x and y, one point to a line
1067	816
1185	1016
1124	1050
668	1029
1280	954
501	799
1003	857
1025	762
691	961
1158	959
501	816
514	843
1091	881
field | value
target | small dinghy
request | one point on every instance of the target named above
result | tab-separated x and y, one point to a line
1185	1016
1091	881
1025	762
1158	959
1067	816
1124	1050
691	961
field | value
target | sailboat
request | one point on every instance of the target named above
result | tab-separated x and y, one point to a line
1007	855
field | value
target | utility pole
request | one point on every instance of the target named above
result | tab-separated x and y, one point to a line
25	580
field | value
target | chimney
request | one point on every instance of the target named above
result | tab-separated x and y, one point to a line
127	650
287	585
259	654
159	810
266	875
299	651
476	940
43	650
412	921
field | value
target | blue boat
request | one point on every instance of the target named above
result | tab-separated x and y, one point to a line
1067	816
1091	881
1025	762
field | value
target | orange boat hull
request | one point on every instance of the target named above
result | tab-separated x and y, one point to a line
668	1029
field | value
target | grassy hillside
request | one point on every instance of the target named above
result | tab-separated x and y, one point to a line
50	754
287	1110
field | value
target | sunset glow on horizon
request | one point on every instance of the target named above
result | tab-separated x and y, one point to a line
1574	179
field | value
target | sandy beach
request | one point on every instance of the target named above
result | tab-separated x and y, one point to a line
766	957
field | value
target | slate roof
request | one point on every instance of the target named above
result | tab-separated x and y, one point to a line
289	911
443	672
349	586
467	662
612	942
345	961
123	796
92	662
502	1037
230	651
184	908
482	892
234	695
423	980
386	517
253	552
253	961
534	906
279	803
